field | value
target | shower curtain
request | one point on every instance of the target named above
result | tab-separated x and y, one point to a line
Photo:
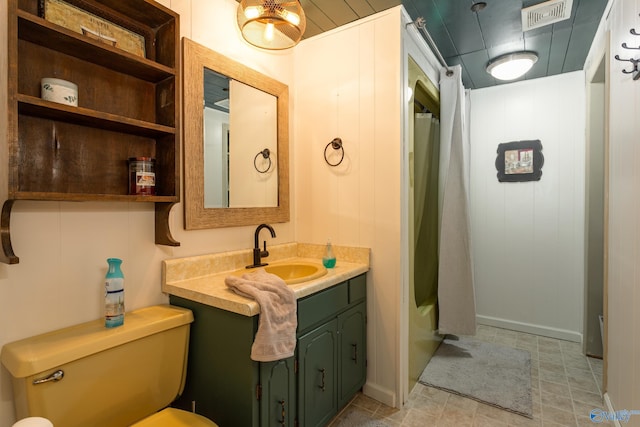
426	159
456	296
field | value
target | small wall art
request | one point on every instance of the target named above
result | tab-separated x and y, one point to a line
520	161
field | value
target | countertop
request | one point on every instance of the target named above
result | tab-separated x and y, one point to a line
201	278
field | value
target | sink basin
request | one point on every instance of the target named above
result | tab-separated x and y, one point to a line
293	272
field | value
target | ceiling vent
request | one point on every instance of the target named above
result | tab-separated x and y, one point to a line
545	13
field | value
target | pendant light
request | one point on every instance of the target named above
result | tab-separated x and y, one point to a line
271	24
512	65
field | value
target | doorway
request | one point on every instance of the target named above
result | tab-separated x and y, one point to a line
596	212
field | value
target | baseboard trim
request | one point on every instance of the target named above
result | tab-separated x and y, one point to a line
529	328
610	409
380	394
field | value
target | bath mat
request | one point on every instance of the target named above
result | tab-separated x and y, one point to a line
489	373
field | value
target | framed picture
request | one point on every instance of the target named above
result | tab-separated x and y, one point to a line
83	22
520	161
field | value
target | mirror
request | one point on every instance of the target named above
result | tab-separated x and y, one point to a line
240	144
236	142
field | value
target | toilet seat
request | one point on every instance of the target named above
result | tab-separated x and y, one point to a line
171	417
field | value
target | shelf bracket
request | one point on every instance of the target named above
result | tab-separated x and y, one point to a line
163	231
7	256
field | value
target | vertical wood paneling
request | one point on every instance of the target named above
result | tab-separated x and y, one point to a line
366	173
526	235
623	322
355	95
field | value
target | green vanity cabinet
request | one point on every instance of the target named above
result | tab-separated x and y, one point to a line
331	350
278	393
318	375
352	330
222	381
308	389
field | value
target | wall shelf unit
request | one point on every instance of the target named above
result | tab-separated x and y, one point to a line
128	106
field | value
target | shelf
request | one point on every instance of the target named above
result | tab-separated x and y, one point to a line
32	106
57	152
36	30
87	197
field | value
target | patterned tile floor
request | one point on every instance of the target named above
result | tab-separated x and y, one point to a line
566	386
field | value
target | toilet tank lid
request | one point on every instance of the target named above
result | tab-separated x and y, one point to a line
44	352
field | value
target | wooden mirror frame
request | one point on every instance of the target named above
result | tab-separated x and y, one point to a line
195	58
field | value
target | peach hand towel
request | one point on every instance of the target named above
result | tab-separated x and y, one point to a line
278	320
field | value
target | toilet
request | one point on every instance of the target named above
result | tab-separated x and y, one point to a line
88	375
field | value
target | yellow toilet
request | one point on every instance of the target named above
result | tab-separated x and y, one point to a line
88	375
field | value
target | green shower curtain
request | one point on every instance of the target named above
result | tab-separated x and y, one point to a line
426	171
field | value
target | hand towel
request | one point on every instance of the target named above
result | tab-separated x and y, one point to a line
278	320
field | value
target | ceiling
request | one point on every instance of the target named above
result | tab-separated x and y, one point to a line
472	39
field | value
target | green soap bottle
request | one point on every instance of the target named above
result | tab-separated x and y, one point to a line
329	259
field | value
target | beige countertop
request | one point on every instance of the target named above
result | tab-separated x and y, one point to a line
201	278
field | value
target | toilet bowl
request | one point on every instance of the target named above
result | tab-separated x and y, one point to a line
33	422
172	417
90	375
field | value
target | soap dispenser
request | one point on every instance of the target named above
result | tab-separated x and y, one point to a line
329	259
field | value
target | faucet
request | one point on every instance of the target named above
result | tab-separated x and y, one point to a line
257	253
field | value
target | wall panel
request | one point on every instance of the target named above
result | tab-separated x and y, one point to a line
348	86
528	237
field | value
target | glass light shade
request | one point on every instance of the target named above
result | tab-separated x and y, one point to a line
511	66
271	24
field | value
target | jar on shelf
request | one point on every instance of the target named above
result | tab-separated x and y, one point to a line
142	176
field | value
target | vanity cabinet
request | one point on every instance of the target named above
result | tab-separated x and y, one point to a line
278	393
308	389
318	375
127	104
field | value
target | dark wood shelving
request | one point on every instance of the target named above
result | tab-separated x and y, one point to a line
32	106
57	152
36	30
87	197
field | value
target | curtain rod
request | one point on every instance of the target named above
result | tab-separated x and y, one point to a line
420	24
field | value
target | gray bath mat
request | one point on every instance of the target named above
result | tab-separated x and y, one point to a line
486	372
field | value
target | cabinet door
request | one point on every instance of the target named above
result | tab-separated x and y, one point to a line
317	376
278	400
353	358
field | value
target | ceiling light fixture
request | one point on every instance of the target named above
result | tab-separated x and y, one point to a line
512	65
271	24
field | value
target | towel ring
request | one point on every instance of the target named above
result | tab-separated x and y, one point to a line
336	144
266	154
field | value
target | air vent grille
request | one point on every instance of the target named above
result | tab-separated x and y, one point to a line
545	13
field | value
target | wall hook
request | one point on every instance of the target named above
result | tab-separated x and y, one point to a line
336	144
635	66
634	32
266	154
624	45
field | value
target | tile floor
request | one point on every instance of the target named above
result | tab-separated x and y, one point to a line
566	386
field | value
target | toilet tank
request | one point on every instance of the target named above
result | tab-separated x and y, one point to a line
111	377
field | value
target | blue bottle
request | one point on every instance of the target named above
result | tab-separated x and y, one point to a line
114	294
329	259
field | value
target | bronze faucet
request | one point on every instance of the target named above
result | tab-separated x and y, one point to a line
257	253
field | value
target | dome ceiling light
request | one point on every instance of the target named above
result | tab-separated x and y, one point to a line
512	65
271	24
